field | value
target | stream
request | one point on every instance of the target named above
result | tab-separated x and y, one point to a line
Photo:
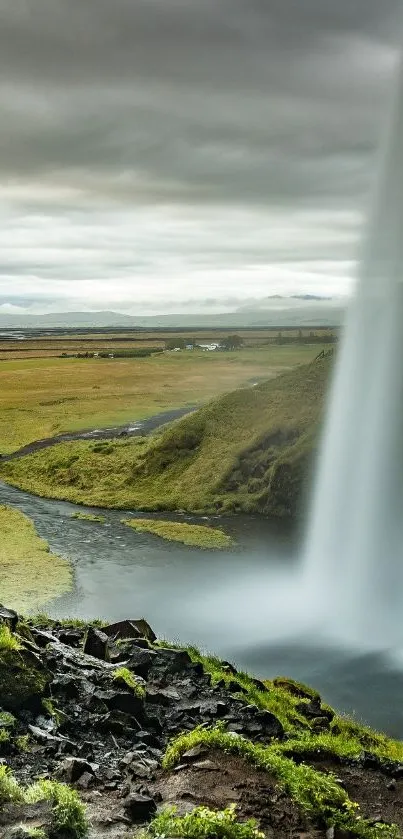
217	600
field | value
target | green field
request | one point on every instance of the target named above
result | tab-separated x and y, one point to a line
30	576
249	450
42	397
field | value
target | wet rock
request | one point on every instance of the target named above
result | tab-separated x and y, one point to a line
140	660
170	662
71	637
23	680
97	644
197	751
162	696
140	808
130	629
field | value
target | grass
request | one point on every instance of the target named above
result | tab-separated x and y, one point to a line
203	823
194	535
41	397
345	739
89	517
318	794
8	641
124	677
30	574
68	812
250	451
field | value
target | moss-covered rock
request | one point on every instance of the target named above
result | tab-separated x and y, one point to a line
23	680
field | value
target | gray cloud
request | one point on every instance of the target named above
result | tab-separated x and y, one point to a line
165	139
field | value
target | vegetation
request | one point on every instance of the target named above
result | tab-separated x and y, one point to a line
30	574
41	397
250	450
123	675
194	535
68	812
318	794
8	641
202	823
89	517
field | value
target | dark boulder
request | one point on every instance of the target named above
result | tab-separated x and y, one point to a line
140	808
130	629
97	644
9	617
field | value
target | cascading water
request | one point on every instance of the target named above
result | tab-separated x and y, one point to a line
354	555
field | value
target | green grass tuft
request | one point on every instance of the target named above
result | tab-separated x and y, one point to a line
68	812
202	823
10	791
125	677
8	641
194	535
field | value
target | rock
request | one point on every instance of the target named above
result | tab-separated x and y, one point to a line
197	751
206	765
73	768
97	644
130	629
71	637
86	780
170	662
162	696
140	660
140	808
23	680
9	617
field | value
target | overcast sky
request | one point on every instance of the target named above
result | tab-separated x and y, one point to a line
171	155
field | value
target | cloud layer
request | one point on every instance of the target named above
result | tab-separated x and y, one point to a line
165	154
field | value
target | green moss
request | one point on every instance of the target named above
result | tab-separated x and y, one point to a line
7	720
124	677
194	535
23	743
202	823
89	517
4	736
319	795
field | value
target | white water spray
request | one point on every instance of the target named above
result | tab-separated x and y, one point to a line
354	559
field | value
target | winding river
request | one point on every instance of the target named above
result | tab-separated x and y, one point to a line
217	600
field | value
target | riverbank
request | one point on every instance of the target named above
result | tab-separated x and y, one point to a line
30	575
272	749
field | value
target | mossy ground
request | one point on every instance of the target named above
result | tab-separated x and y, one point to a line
194	535
92	517
250	451
30	575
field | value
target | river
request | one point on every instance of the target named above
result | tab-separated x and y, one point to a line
217	600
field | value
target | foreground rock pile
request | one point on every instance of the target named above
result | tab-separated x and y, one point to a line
96	708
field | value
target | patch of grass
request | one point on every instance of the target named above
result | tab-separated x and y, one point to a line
88	517
23	743
68	812
319	795
30	574
250	451
41	397
10	791
4	736
7	720
194	535
123	676
8	641
202	823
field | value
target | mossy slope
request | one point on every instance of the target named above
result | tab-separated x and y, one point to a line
248	451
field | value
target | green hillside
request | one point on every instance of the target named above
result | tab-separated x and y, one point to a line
250	451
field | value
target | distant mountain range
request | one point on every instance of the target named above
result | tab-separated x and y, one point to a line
276	311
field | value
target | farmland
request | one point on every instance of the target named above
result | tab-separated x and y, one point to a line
44	396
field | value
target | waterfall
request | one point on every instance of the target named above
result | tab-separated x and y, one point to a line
354	551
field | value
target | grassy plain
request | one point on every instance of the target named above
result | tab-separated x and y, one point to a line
30	575
194	535
42	397
249	450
